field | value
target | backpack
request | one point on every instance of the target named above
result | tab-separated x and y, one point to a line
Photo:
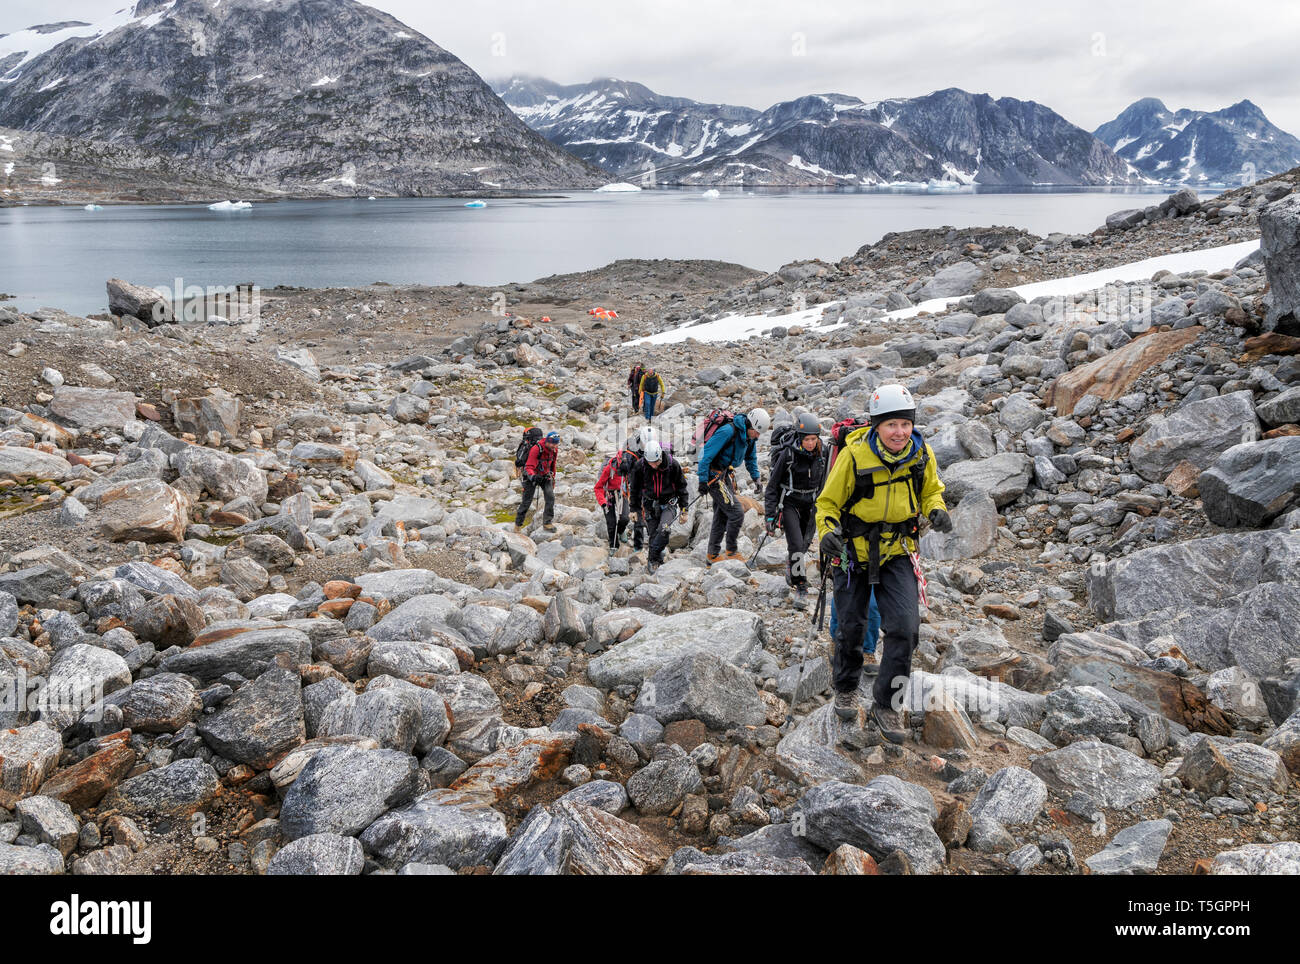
712	422
787	437
531	438
840	432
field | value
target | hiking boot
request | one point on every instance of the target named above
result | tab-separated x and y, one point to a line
518	527
846	705
549	526
711	558
731	555
651	565
869	665
890	723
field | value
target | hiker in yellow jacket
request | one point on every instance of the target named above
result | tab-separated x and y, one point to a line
652	386
868	516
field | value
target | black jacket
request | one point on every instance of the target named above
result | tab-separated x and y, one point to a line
795	469
664	484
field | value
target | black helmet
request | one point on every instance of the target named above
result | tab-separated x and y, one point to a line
806	423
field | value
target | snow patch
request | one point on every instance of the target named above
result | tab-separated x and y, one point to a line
326	80
737	327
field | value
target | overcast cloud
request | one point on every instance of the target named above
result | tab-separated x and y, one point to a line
1087	61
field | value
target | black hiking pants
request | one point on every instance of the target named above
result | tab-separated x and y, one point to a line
547	485
658	520
900	617
616	518
727	514
797	521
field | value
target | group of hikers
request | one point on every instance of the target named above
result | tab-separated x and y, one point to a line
864	494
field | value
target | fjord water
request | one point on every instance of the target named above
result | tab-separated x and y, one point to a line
61	256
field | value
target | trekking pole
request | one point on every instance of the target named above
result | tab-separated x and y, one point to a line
754	557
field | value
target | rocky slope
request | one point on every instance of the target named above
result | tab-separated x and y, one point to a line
820	140
320	648
1197	146
324	97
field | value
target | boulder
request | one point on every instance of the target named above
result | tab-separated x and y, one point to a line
879	818
974	530
441	827
1134	850
1003	478
1279	241
1253	483
701	686
29	755
342	789
733	635
1198	432
1111	776
260	723
142	510
953	281
136	301
24	465
226	477
1012	796
175	790
244	652
318	854
1113	375
89	409
1259	860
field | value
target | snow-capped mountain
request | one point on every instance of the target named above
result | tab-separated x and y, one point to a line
822	139
1196	146
317	96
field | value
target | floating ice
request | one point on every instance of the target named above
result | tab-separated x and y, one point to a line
231	206
618	187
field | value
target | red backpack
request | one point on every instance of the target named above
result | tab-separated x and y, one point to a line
840	432
712	422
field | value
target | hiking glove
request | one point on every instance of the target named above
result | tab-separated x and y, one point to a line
832	546
941	521
771	526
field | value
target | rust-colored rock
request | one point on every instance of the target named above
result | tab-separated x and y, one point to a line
145	410
335	608
341	589
224	518
1181	480
1169	695
1205	770
688	734
1114	374
953	825
944	728
1283	431
217	635
82	785
1272	343
512	768
848	861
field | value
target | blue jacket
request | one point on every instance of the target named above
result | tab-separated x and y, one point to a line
727	448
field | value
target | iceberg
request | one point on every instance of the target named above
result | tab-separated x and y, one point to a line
231	206
712	193
619	187
476	204
93	207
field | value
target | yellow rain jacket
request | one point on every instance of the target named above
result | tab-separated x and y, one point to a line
889	497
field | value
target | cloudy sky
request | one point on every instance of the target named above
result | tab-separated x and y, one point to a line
1086	60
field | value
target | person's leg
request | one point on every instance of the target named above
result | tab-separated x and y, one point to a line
796	518
901	616
611	522
835	622
735	517
850	603
659	541
622	517
873	627
650	406
526	502
548	492
719	524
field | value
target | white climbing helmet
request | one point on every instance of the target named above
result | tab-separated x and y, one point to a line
759	419
891	401
653	451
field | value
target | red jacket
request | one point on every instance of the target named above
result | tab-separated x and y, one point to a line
541	461
611	479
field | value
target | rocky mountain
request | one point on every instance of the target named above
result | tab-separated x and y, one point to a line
314	96
824	139
1196	146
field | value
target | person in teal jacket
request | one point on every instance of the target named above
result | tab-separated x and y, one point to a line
726	449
